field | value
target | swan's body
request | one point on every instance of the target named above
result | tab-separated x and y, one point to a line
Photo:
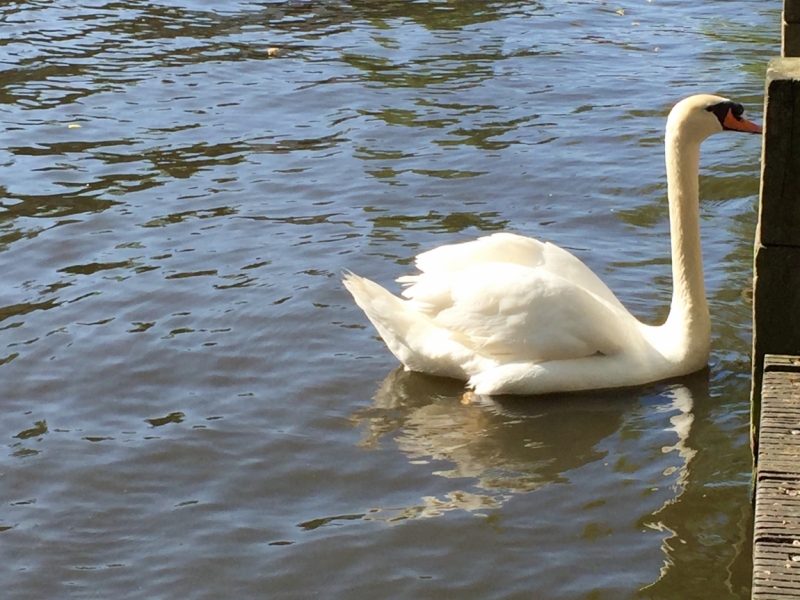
513	315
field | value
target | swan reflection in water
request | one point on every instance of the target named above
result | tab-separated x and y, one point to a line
499	447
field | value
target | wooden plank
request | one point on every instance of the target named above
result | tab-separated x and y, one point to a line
779	211
776	528
776	313
790	38
778	362
791	11
776	285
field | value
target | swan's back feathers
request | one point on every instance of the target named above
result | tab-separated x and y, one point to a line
476	316
498	299
455	323
512	312
498	247
505	248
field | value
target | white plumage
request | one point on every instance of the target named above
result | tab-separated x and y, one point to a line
514	315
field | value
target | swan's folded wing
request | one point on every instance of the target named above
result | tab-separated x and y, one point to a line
512	249
511	312
498	247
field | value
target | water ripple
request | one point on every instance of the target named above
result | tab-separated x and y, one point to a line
190	395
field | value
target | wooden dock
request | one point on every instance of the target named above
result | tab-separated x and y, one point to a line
775	396
776	537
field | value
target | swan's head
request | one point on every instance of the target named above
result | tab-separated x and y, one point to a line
700	116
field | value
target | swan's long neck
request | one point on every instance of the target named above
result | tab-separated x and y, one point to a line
688	322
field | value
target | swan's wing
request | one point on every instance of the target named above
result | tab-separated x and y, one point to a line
498	247
511	312
513	249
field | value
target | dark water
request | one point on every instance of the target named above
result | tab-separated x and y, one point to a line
192	405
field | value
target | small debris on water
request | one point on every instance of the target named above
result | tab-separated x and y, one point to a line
73	126
274	51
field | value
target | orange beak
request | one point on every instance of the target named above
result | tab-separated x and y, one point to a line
740	124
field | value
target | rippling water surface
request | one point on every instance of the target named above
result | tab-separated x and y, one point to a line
193	407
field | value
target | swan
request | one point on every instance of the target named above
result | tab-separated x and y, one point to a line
513	315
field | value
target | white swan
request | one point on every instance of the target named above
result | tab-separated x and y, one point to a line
517	316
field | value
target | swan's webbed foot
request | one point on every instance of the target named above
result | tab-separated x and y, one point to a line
468	397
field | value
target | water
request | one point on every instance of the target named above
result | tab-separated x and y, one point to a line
192	405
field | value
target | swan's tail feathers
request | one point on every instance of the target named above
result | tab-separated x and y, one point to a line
416	340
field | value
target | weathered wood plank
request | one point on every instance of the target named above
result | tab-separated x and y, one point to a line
776	315
775	395
776	282
790	38
776	530
791	11
779	362
777	452
779	214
